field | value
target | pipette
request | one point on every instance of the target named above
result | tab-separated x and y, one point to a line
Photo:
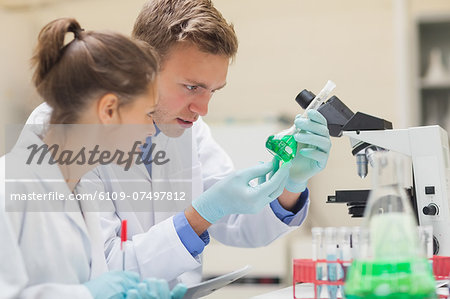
123	239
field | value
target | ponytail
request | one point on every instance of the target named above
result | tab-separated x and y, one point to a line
69	76
50	46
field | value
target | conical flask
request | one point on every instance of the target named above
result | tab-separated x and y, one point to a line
388	215
391	263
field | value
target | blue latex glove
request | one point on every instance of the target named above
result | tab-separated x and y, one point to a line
234	195
112	285
178	291
156	289
140	292
313	150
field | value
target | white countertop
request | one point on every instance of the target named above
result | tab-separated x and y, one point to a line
302	291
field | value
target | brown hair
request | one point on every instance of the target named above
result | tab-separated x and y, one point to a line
91	65
162	23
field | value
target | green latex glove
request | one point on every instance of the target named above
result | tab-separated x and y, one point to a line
234	195
112	285
313	150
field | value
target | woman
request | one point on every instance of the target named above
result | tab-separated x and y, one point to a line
96	84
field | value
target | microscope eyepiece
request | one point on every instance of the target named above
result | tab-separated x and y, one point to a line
304	98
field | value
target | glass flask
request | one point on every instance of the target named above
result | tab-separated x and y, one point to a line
283	149
391	263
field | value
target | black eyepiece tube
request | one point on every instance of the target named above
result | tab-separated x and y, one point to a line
304	98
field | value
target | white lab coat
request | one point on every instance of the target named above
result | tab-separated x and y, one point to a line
44	254
156	249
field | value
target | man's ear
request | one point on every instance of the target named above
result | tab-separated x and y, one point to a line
108	109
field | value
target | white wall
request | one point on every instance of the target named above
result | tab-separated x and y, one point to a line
301	44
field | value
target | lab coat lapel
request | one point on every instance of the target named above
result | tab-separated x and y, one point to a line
197	176
137	222
130	182
173	177
98	262
49	176
73	211
158	174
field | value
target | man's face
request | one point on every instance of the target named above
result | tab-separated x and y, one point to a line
187	81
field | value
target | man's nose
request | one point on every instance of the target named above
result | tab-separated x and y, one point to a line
200	104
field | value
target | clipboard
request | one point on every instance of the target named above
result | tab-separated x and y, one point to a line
207	287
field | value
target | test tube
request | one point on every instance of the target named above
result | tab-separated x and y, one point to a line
318	254
331	253
354	241
426	240
344	250
321	97
315	104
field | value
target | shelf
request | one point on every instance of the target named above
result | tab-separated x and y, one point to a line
433	88
442	84
433	19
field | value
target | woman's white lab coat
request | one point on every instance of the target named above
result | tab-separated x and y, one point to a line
156	250
44	254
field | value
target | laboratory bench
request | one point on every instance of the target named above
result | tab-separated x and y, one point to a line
306	290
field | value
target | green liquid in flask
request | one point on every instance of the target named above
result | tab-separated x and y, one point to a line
410	279
283	149
391	264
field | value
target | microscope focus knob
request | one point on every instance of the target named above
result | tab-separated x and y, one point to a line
430	210
435	246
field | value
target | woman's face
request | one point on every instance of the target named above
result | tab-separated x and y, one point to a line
134	121
140	110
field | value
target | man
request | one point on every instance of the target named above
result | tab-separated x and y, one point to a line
196	45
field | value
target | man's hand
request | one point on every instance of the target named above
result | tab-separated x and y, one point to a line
234	195
313	150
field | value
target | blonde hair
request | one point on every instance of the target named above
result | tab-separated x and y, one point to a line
163	23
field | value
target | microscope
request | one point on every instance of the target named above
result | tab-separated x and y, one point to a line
427	146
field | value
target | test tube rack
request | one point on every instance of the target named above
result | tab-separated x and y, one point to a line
305	272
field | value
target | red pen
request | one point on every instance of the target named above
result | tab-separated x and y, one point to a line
123	239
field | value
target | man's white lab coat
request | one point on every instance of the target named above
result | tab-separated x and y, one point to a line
155	249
